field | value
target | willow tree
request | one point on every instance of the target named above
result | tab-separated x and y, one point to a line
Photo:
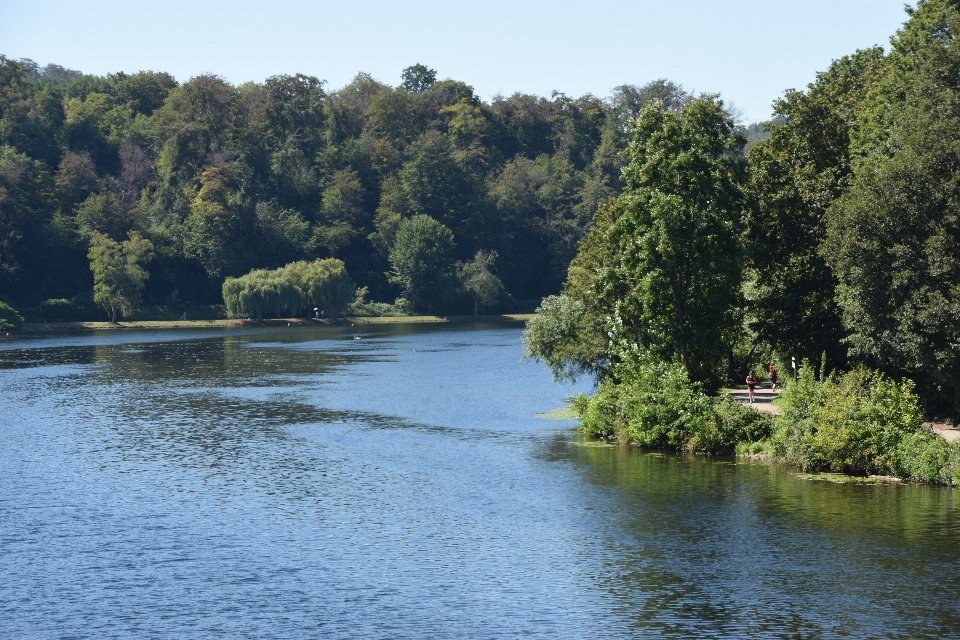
261	293
324	284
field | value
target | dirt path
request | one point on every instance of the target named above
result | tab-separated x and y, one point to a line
763	398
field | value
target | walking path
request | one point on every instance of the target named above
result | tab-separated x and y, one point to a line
764	397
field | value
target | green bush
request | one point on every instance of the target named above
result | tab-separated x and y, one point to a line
856	423
926	457
655	404
10	320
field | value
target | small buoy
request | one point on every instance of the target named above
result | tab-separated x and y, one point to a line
351	324
288	324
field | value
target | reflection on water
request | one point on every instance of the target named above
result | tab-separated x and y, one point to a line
275	483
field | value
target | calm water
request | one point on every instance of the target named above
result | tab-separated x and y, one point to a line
292	483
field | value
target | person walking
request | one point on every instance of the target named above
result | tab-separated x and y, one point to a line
751	383
773	377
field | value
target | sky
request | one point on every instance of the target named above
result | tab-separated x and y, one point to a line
749	51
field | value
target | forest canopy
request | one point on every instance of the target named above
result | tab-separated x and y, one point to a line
222	180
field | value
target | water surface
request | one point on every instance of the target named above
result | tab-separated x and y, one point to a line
278	483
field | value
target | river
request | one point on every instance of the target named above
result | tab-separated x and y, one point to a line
400	481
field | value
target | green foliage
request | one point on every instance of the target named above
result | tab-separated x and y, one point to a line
118	271
418	78
654	404
10	320
552	336
670	275
855	423
224	179
795	174
477	278
361	307
893	236
422	262
261	293
660	271
323	284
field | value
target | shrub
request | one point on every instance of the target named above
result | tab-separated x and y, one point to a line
9	318
854	424
654	404
361	307
926	457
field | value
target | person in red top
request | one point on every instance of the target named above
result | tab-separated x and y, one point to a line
773	377
751	383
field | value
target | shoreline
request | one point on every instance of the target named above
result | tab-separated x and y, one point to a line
31	327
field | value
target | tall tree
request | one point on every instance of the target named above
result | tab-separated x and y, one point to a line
795	175
118	271
422	262
675	287
478	278
893	236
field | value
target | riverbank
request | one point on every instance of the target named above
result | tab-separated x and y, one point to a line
764	398
270	322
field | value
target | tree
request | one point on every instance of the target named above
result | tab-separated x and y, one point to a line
118	273
795	175
553	336
422	261
893	236
217	229
9	318
659	271
418	78
324	284
261	293
477	278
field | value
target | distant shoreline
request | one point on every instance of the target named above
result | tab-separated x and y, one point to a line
270	322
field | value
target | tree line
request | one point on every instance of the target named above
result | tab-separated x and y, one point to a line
833	240
222	179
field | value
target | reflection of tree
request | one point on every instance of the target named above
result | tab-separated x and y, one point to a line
712	546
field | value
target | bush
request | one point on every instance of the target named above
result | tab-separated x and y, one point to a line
10	320
361	307
857	424
655	404
926	457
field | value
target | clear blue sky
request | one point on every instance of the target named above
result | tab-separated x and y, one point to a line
748	50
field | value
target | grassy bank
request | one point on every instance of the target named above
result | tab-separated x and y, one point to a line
272	322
